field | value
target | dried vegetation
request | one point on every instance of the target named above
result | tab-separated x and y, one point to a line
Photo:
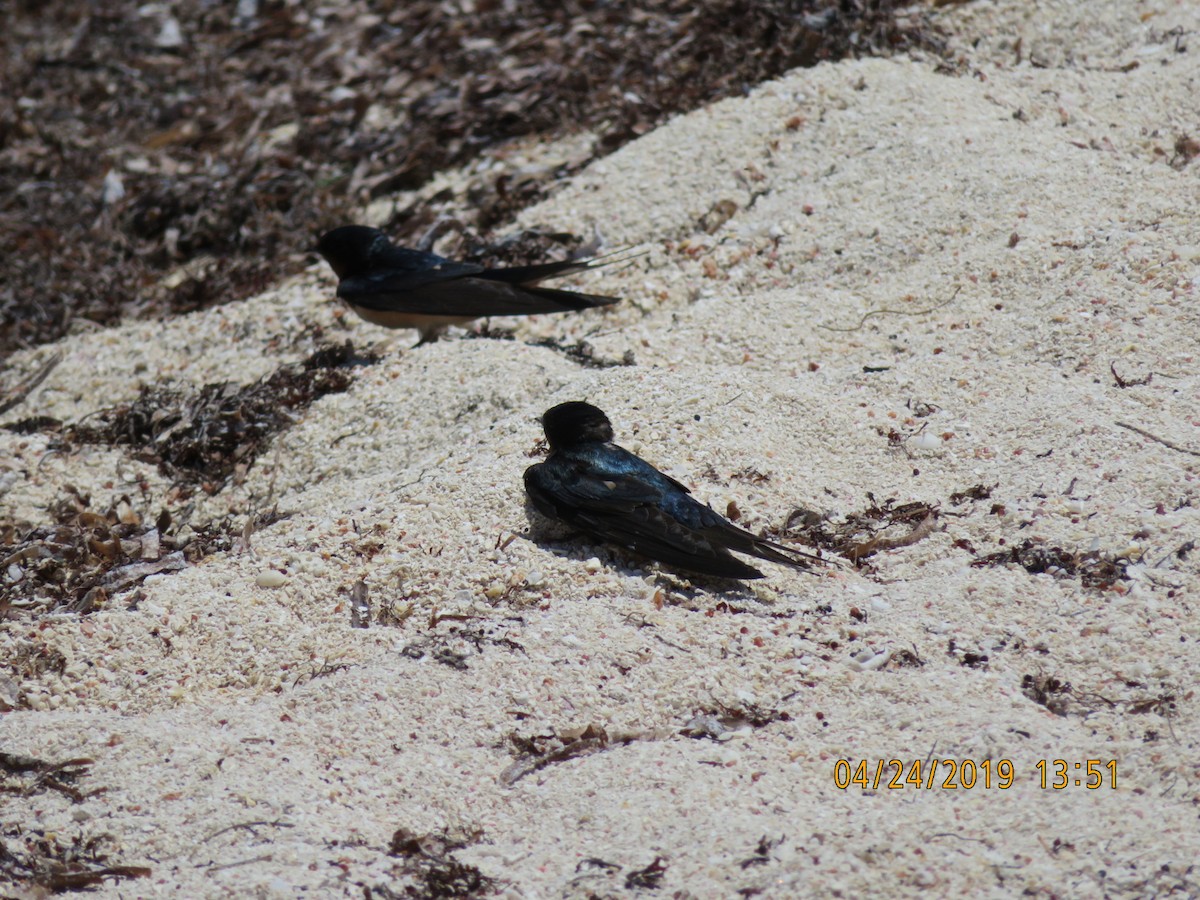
168	157
202	439
210	435
42	862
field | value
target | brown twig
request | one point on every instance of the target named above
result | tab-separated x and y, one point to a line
1144	433
18	394
1122	383
249	826
895	312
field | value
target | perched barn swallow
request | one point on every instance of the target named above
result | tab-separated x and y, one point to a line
401	288
591	484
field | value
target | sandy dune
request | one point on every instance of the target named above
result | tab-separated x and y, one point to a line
894	249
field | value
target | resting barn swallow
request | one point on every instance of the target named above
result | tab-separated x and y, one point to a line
401	288
603	490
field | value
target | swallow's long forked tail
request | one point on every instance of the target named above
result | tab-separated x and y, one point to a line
531	275
777	553
528	278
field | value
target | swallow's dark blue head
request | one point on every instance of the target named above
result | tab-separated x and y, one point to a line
574	423
350	249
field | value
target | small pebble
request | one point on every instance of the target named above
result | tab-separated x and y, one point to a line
926	440
270	579
867	660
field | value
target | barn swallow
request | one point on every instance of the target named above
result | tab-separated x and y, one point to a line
401	288
603	490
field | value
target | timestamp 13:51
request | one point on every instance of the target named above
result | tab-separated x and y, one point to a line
1092	774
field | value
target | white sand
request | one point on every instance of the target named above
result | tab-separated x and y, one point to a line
888	186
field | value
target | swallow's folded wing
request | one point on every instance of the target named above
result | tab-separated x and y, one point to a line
437	293
633	513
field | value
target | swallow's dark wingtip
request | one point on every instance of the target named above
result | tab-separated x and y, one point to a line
745	572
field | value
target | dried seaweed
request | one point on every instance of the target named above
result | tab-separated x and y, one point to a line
648	877
205	437
879	527
157	159
88	555
539	751
452	647
905	659
1062	699
1093	569
1047	691
762	852
714	722
976	492
431	868
38	861
27	775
